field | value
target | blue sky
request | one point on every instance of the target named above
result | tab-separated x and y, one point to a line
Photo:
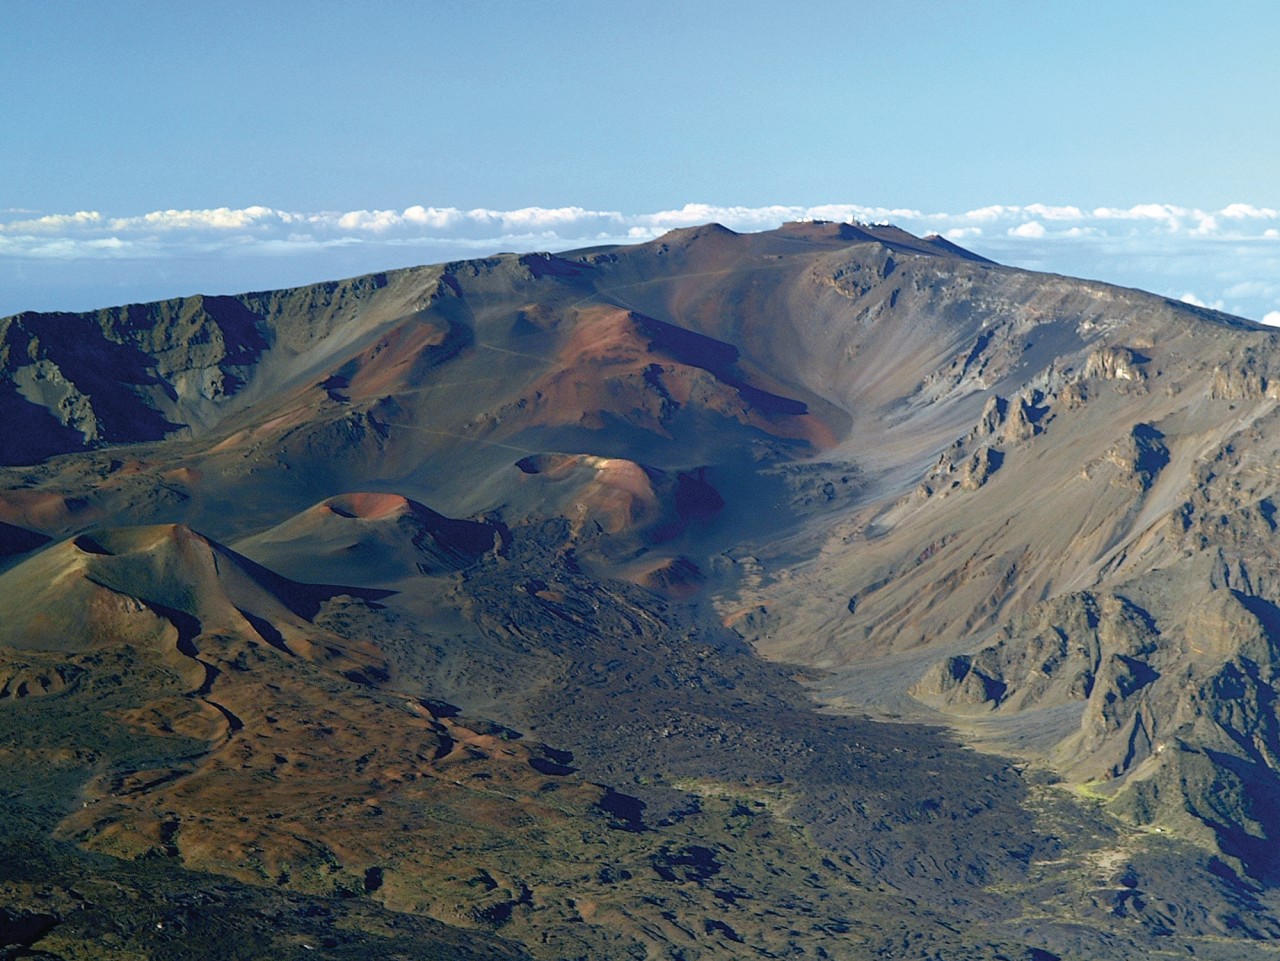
228	146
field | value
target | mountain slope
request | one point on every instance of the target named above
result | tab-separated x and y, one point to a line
1035	510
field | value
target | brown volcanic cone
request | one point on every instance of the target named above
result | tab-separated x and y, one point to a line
615	504
367	539
643	372
190	602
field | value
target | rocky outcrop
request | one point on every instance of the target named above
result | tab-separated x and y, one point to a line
31	675
1249	376
1116	363
1179	722
1004	423
1140	457
1058	653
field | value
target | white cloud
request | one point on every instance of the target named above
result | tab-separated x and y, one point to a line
851	212
433	217
1045	212
566	225
1248	211
1032	228
1271	318
987	214
1229	257
1160	212
375	220
223	218
56	222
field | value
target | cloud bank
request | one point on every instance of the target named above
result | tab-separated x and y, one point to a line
1228	259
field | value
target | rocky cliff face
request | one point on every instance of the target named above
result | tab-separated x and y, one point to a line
147	371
